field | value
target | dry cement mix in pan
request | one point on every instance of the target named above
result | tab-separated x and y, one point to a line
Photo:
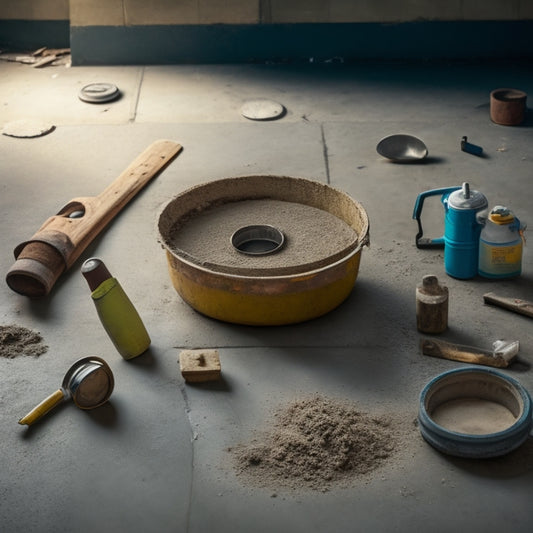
313	236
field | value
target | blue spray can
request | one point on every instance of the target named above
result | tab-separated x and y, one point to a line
465	214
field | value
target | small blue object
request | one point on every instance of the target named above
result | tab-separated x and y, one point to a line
463	209
470	148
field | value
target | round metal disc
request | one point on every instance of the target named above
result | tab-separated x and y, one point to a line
262	109
99	93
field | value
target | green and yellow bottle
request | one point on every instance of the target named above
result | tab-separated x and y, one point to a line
115	310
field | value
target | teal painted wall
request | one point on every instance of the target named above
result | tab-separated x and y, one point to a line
220	43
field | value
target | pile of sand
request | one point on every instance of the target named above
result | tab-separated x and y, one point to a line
17	340
315	443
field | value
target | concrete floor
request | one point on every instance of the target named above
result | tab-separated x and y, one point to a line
155	457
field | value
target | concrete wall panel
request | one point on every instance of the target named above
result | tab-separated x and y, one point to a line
525	11
34	9
158	12
140	12
97	13
394	11
228	12
493	10
281	11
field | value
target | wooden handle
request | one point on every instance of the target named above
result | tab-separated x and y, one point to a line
44	407
464	354
522	307
112	199
63	237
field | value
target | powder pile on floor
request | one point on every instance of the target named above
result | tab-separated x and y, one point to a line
17	340
316	443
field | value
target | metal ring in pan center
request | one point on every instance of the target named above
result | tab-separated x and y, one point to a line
258	239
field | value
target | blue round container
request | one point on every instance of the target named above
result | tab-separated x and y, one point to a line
475	383
464	210
461	258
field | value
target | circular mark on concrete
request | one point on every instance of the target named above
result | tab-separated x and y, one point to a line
27	128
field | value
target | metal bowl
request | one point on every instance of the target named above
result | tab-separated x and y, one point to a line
402	148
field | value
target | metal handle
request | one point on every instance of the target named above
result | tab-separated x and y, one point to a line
417	213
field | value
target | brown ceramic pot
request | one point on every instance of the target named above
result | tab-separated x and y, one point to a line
508	106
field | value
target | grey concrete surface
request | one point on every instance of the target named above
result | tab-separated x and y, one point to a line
155	458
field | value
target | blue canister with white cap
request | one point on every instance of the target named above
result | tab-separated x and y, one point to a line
465	213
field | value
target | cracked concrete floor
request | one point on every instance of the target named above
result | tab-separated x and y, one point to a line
155	457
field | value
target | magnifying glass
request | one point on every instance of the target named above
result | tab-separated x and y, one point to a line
89	383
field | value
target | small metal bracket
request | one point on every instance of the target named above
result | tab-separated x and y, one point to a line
470	148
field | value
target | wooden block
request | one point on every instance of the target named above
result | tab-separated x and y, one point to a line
200	365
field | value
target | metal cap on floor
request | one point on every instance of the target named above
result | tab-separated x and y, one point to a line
99	93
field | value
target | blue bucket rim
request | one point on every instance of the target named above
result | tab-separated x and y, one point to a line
516	427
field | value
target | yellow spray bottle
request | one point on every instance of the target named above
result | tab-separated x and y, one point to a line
115	310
